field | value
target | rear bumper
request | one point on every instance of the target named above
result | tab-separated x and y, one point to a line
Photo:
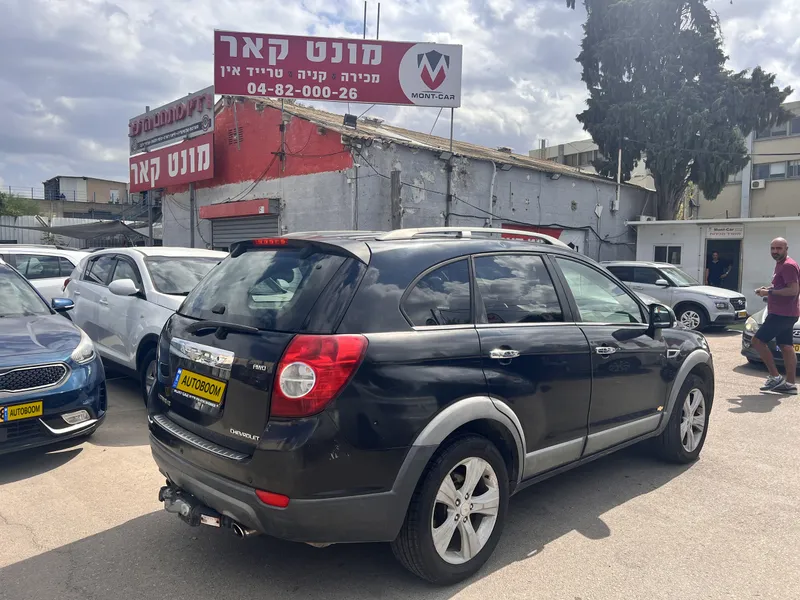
373	517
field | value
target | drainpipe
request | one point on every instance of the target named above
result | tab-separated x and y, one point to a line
747	176
491	192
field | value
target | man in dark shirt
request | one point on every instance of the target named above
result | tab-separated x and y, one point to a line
783	310
716	270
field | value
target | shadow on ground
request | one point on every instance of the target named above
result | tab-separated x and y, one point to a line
31	463
755	403
157	556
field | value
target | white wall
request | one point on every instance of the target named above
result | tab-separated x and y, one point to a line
687	236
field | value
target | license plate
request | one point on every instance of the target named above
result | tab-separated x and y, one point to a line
21	411
741	314
797	347
198	386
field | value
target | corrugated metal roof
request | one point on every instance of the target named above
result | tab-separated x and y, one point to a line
367	130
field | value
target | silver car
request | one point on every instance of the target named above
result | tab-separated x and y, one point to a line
752	326
696	306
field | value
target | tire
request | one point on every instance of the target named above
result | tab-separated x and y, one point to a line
694	315
414	546
673	444
148	359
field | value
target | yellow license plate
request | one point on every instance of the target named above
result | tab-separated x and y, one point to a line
21	411
741	314
199	386
797	347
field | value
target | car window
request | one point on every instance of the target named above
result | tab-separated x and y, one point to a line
66	266
178	275
442	297
598	297
646	275
124	270
99	269
36	266
516	288
247	289
17	298
622	273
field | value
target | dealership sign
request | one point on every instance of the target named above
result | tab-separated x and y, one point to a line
190	116
725	232
337	69
189	161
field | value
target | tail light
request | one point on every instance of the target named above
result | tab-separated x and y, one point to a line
313	370
66	283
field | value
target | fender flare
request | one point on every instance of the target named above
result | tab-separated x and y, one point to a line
697	357
470	409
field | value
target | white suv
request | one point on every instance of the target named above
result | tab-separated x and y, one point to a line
46	267
123	297
696	306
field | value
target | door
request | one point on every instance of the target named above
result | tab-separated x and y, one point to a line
723	258
535	358
628	389
124	314
91	311
644	280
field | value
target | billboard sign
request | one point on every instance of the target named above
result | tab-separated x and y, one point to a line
190	116
337	69
189	161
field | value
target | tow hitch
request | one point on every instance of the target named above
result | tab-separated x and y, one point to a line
195	513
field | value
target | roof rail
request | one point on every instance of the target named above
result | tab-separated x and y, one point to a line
467	232
332	233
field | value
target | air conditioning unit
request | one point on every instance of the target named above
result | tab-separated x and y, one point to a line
758	184
646	218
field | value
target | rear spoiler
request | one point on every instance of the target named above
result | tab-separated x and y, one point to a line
341	247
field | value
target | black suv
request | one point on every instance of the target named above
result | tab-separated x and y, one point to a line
399	387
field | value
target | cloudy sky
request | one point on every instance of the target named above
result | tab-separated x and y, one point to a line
74	71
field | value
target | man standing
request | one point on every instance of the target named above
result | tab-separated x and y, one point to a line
716	270
783	310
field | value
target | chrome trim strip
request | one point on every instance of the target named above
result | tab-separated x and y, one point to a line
202	354
621	433
195	440
64	377
507	325
70	428
554	456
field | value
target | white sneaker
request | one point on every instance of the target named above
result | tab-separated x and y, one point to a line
771	383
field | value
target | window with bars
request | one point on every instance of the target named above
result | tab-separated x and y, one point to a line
235	135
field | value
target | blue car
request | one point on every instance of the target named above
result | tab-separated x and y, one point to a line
52	383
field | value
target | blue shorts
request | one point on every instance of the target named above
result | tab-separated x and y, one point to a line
778	328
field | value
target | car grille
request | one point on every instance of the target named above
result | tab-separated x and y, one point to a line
739	303
20	431
31	378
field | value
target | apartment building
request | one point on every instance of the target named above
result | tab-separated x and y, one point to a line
770	185
86	189
581	154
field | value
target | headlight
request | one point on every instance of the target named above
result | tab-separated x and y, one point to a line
721	305
84	353
750	326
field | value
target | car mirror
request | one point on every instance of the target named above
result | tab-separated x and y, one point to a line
62	304
662	283
661	317
123	287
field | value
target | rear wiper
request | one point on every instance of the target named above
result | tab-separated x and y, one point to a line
220	325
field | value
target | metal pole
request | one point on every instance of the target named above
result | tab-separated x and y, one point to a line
378	27
191	215
150	218
619	174
365	19
452	112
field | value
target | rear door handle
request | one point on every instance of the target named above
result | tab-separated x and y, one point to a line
502	354
637	287
605	350
77	293
103	301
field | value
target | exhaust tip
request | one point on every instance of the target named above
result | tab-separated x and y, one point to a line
242	532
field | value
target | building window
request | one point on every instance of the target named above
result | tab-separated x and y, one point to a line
667	254
571	160
794	168
794	126
775	170
777	131
735	177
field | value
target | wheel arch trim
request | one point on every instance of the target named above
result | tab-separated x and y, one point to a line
697	357
467	410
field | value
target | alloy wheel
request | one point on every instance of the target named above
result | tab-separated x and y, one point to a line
465	510
150	377
693	420
690	319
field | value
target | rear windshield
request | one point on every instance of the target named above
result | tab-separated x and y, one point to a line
178	275
267	289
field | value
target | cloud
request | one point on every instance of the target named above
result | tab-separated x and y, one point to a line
74	72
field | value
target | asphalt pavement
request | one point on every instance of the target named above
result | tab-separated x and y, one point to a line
83	523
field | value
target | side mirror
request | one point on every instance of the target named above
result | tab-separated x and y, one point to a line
662	283
62	305
661	317
123	287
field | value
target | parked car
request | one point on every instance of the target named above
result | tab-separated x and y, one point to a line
410	383
751	326
45	267
52	383
696	306
123	297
